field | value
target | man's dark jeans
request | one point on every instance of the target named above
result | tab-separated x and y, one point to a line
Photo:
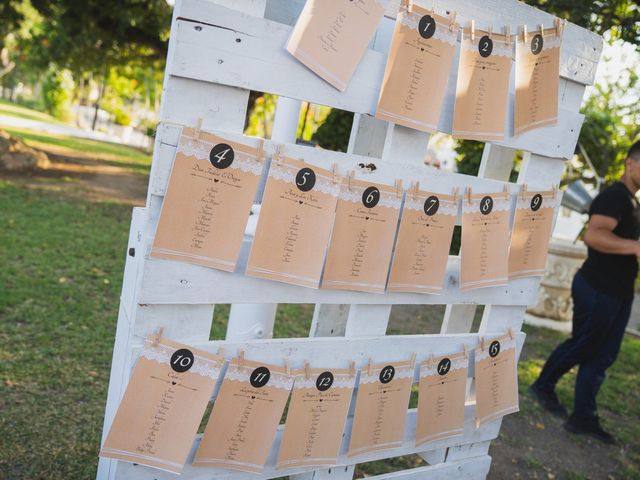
599	322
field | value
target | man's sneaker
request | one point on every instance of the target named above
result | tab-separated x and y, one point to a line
589	426
548	400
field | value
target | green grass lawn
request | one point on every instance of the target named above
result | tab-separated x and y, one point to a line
11	109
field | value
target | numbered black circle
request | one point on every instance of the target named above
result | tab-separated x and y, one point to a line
485	47
486	205
182	360
371	197
324	381
260	377
431	205
427	26
537	42
494	348
305	179
536	202
221	156
444	366
387	374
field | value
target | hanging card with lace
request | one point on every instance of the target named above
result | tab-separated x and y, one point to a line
418	67
441	398
209	196
424	239
363	234
531	233
316	417
482	90
158	417
245	417
331	36
537	80
485	240
496	377
298	210
381	407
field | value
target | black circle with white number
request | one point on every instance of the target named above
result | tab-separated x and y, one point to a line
324	381
536	44
485	47
444	366
536	202
427	27
431	205
221	156
486	205
371	197
260	377
387	374
181	360
305	179
494	349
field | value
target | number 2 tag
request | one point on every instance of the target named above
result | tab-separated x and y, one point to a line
485	47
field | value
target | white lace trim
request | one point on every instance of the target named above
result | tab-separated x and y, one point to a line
285	173
474	207
458	363
389	200
548	43
500	49
243	373
445	208
442	33
201	366
506	344
201	149
339	381
525	202
401	372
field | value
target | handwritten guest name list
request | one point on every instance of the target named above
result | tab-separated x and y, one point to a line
159	415
298	210
209	196
330	37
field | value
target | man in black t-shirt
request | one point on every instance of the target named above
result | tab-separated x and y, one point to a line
602	293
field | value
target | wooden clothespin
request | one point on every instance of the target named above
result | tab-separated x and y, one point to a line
430	361
370	367
221	352
466	350
335	173
433	7
525	35
404	4
198	129
541	27
468	194
352	368
482	345
510	333
472	32
505	188
523	190
399	190
306	370
241	358
413	358
277	156
507	34
157	337
287	367
490	32
415	189
559	26
452	22
260	155
350	176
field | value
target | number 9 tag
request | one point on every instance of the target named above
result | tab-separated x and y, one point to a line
536	202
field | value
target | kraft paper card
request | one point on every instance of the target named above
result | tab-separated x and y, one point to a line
245	417
531	233
417	71
158	418
363	234
381	407
496	379
297	214
424	239
441	398
482	90
209	197
537	81
316	417
331	36
485	240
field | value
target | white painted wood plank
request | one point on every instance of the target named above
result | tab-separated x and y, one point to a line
183	323
471	435
468	469
458	318
463	452
497	162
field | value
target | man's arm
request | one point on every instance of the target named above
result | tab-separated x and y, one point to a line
600	237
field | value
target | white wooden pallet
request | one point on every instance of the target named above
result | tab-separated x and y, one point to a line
219	51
